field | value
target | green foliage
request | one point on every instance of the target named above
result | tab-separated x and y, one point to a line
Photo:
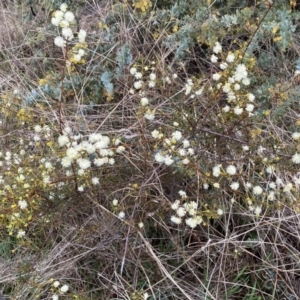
106	78
123	58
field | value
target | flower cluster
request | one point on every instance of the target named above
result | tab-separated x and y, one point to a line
174	149
65	19
83	152
18	181
59	289
187	210
230	172
139	82
233	80
117	209
142	5
78	52
189	88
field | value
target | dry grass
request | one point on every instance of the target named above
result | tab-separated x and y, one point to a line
81	241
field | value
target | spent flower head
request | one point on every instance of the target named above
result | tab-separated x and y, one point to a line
296	136
176	220
217	170
63	7
214	59
296	158
231	170
257	190
59	42
64	288
235	186
144	101
230	57
69	16
58	14
217	48
133	71
81	36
